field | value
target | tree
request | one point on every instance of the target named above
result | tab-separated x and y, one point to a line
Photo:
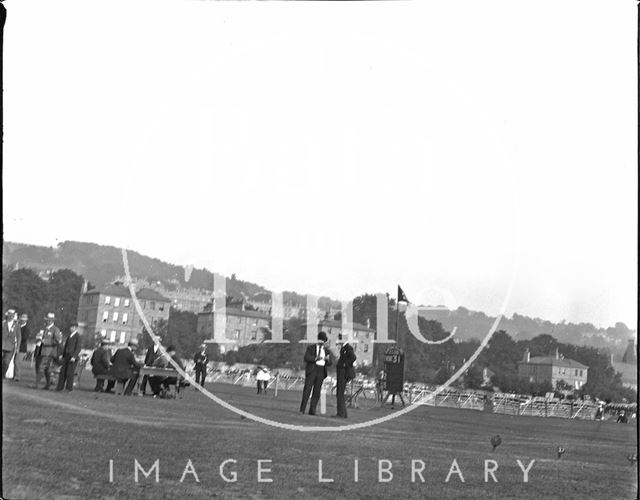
182	332
64	289
24	291
473	378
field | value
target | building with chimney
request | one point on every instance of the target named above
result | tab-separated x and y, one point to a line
241	327
110	314
553	369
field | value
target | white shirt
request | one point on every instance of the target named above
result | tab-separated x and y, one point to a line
320	352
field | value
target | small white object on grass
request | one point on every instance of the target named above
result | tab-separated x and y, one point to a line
323	401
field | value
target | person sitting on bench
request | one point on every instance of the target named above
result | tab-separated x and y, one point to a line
100	365
124	365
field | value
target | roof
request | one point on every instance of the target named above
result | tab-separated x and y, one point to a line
123	291
552	360
230	311
330	323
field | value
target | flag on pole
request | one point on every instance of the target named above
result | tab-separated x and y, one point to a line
401	296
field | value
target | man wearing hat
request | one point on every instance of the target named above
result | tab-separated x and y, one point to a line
201	359
10	339
50	339
317	358
70	353
152	354
344	373
100	364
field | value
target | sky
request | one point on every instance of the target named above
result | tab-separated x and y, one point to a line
481	154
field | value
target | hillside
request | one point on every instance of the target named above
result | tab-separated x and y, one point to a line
101	264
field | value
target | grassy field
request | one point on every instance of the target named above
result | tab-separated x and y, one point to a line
59	446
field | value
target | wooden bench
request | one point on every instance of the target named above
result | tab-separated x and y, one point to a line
149	371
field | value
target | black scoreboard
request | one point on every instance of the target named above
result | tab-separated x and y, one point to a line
394	370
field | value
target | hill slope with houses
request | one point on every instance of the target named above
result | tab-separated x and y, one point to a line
101	264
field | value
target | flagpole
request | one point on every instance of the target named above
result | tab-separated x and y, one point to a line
397	314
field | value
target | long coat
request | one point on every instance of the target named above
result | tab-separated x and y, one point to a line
10	337
51	341
100	361
71	347
310	359
344	367
123	364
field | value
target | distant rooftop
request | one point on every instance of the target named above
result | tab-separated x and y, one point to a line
330	323
552	360
230	311
123	291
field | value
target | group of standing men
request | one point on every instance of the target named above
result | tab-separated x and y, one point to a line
51	349
317	358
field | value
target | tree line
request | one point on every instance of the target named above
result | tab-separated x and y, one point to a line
25	291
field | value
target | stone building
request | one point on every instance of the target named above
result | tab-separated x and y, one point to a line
242	327
110	312
553	369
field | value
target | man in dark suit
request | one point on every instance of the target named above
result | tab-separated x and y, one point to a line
344	373
69	358
317	358
152	354
25	333
201	359
100	365
123	364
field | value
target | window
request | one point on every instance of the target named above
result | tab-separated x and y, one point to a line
103	333
117	302
144	304
254	335
123	338
237	334
126	302
152	305
113	335
115	317
576	373
105	316
107	300
125	317
366	348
